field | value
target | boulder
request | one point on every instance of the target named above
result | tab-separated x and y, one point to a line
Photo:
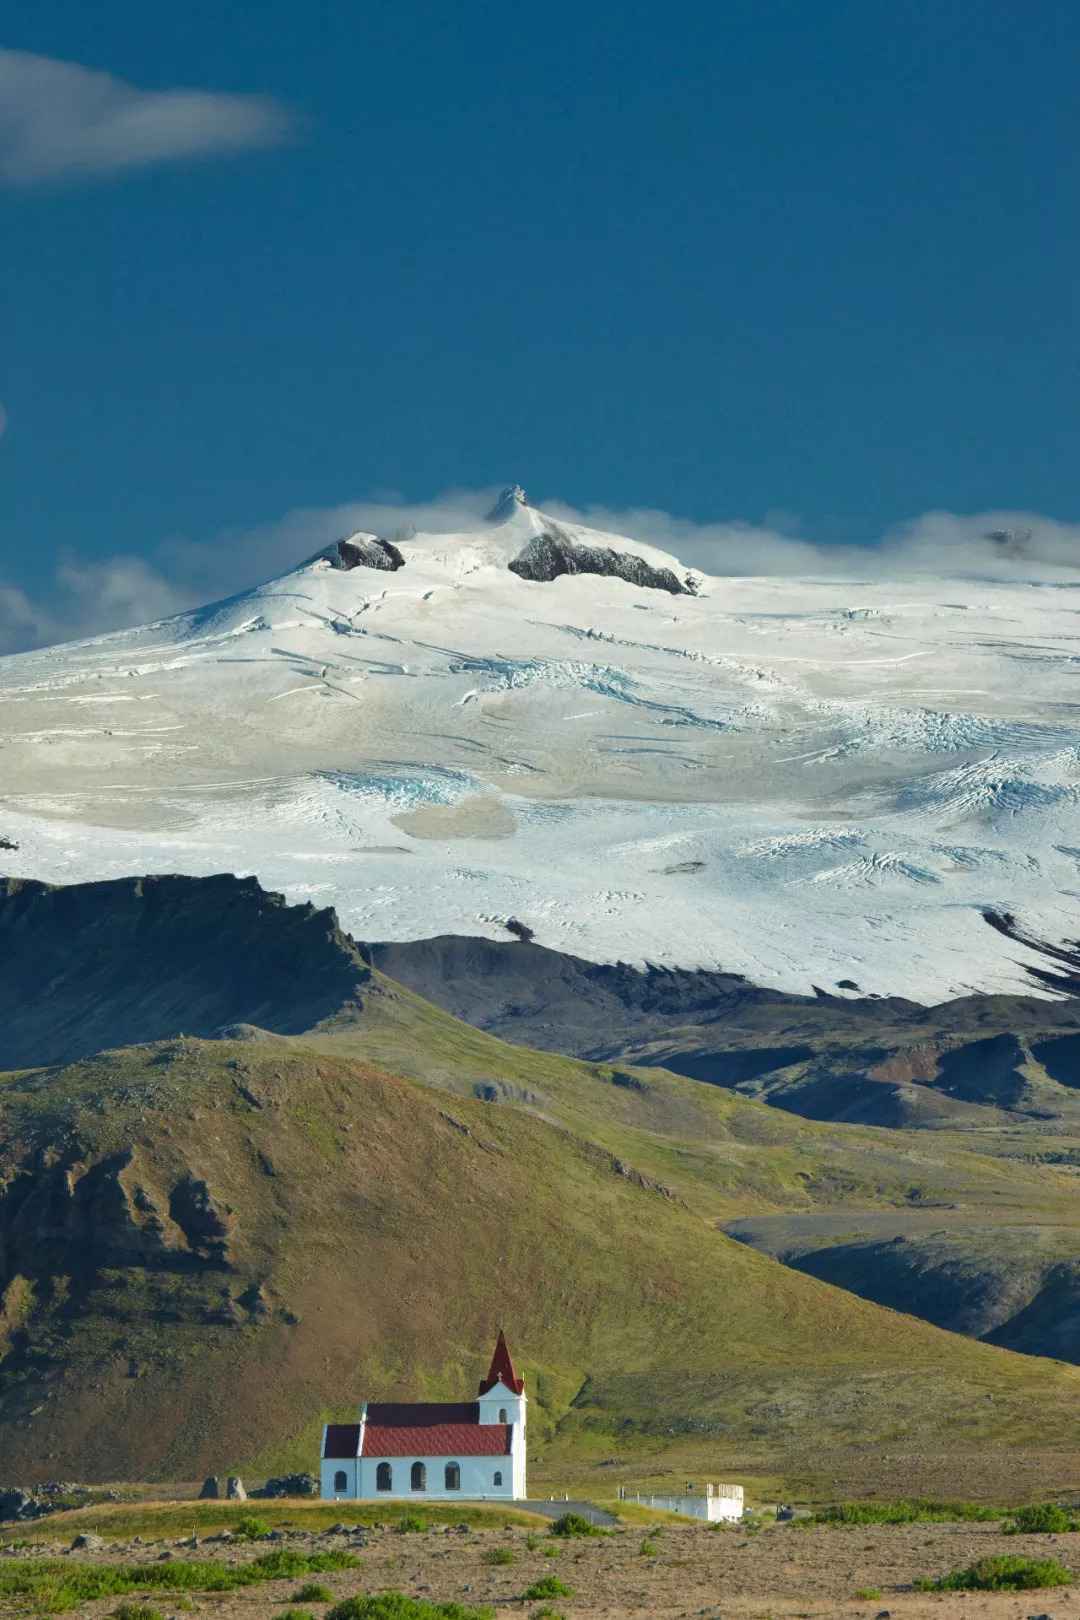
290	1485
87	1542
235	1489
16	1503
211	1489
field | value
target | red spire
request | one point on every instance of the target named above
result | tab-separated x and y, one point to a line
501	1370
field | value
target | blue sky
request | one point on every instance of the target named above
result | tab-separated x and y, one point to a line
811	266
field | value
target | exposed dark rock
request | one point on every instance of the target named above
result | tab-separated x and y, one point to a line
235	1489
365	551
289	1485
1063	974
629	1082
97	965
205	1226
520	929
1015	1287
550	555
16	1503
494	1091
211	1489
8	843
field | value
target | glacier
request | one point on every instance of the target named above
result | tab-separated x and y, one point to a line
805	781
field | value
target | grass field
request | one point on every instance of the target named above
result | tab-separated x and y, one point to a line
373	1222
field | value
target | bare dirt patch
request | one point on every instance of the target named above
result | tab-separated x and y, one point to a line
479	816
667	1571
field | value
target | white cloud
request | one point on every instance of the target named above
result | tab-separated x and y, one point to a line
59	119
88	598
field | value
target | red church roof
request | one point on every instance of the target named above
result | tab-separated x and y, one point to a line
501	1370
437	1439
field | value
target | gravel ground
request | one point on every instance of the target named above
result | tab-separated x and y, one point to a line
778	1574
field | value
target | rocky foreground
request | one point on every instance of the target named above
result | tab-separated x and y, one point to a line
667	1571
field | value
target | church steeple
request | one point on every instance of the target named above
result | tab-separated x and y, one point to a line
501	1370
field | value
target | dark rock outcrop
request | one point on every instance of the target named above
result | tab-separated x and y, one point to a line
364	551
289	1485
98	965
550	555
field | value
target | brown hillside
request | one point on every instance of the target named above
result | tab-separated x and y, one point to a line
208	1247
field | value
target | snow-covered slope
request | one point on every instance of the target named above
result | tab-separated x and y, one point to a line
805	781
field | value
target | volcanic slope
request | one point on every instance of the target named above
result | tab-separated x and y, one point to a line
208	1246
819	781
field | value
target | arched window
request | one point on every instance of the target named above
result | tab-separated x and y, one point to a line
384	1477
502	1415
419	1477
498	1477
453	1476
341	1480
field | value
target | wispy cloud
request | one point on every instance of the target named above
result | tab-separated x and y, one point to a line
84	599
58	120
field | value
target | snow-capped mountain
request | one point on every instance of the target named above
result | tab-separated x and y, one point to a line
806	781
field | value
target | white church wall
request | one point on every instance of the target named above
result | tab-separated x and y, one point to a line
477	1478
340	1477
498	1400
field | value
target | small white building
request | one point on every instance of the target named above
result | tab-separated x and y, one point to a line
720	1503
442	1450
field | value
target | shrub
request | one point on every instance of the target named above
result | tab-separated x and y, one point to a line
1043	1518
573	1524
410	1524
295	1614
546	1613
55	1586
498	1555
312	1592
136	1611
1006	1573
396	1606
917	1510
868	1594
552	1552
549	1586
647	1548
251	1529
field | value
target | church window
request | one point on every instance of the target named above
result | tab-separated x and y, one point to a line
502	1415
341	1480
498	1477
419	1477
384	1477
453	1476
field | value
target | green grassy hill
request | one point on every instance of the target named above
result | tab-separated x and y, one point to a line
209	1247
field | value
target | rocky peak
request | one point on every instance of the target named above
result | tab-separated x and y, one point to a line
510	501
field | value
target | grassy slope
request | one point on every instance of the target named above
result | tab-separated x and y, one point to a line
725	1155
392	1226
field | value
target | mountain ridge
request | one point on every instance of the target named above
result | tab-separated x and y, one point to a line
817	782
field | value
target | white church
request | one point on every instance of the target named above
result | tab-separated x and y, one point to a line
473	1449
